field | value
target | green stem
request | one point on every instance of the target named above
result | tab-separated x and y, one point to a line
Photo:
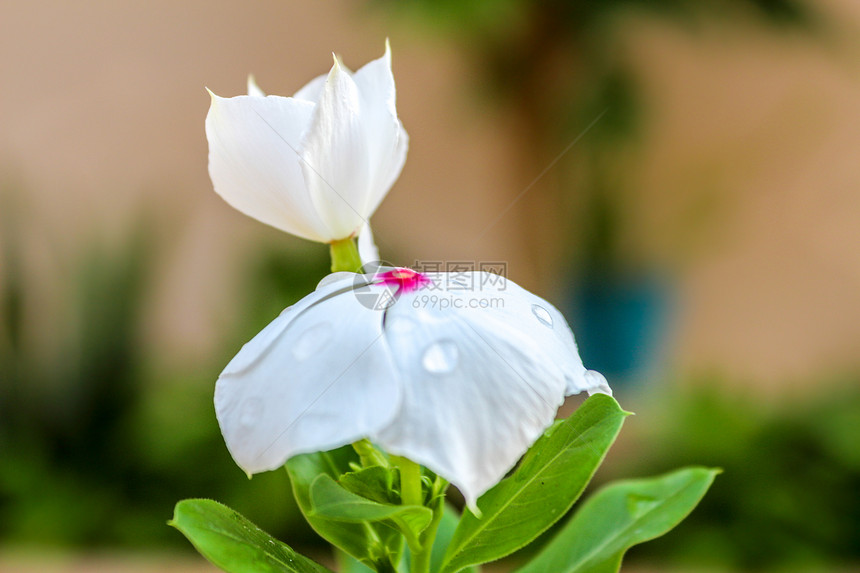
344	256
411	493
410	482
369	455
421	560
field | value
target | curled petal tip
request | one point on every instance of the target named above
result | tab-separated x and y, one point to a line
213	97
336	68
473	507
339	65
253	88
213	101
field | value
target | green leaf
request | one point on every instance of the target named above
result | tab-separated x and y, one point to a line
551	476
447	526
445	531
376	482
377	547
619	516
346	563
233	543
330	500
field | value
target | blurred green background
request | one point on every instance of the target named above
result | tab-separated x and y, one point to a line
678	177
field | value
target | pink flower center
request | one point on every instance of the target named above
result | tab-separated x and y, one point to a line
406	280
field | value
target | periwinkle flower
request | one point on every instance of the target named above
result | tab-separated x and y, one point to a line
316	164
459	372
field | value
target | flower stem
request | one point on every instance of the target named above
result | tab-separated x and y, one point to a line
421	559
412	493
344	256
369	455
410	482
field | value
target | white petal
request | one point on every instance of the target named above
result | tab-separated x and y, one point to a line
253	162
480	384
367	250
548	327
335	157
386	139
253	88
346	278
312	90
540	320
597	383
318	377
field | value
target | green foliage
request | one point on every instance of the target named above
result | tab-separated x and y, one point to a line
367	532
376	483
88	424
550	478
448	522
787	498
619	516
233	543
65	408
444	535
375	545
348	564
331	501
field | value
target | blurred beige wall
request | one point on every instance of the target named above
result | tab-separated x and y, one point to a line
101	118
772	125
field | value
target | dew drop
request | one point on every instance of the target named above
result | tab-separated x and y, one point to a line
312	341
595	383
441	357
542	315
252	411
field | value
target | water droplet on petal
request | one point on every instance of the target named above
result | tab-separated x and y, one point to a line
441	357
252	411
542	315
595	383
312	341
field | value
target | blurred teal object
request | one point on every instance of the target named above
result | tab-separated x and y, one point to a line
620	324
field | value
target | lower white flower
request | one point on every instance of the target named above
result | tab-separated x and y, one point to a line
459	372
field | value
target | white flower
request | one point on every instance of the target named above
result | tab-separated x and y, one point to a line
317	164
458	372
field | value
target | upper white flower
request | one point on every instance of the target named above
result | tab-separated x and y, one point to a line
458	372
317	164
